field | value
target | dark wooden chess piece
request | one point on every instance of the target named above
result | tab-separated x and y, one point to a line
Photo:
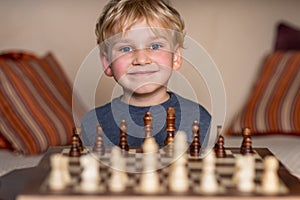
170	127
195	146
246	147
98	148
77	133
148	125
75	150
219	147
123	136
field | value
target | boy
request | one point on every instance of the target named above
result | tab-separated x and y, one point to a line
140	45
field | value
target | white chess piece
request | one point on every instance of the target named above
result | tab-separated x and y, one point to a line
209	182
57	179
117	182
149	182
180	144
246	174
65	169
150	157
178	175
116	157
270	179
90	175
119	176
178	178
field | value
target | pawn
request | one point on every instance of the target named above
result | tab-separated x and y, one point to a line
75	150
148	125
195	145
119	178
98	148
149	182
178	178
123	136
219	147
246	147
245	177
209	182
180	144
77	133
117	182
270	179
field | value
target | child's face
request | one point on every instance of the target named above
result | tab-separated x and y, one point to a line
141	60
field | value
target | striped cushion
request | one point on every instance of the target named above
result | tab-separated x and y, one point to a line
274	103
5	144
36	102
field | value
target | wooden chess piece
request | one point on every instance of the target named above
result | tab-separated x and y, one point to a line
75	150
195	145
246	147
148	125
123	136
98	148
170	127
77	133
219	147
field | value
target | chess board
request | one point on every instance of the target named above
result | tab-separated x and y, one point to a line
39	187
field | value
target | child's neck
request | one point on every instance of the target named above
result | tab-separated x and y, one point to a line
149	99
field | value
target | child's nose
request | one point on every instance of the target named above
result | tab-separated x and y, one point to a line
141	57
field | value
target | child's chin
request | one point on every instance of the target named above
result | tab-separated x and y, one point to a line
148	89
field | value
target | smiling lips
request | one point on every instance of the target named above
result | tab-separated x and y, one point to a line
142	73
145	70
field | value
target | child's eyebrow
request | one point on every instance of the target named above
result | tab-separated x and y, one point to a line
158	38
120	41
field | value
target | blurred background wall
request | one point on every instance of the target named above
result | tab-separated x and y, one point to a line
237	35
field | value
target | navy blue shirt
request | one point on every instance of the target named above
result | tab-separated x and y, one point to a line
110	115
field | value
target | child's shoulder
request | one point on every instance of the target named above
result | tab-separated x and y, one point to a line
187	104
104	109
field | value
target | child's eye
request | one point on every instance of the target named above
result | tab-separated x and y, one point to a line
155	46
126	49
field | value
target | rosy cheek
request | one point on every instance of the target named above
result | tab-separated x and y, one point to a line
119	68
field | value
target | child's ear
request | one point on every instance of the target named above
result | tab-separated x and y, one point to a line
106	65
177	59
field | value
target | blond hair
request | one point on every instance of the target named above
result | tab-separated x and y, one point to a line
120	15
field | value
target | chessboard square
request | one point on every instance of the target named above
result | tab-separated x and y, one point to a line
166	161
138	156
194	176
134	167
194	165
104	161
226	182
228	152
133	180
65	151
225	170
132	160
132	151
259	166
227	160
256	155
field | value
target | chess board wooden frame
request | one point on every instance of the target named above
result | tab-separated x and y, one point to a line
40	173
